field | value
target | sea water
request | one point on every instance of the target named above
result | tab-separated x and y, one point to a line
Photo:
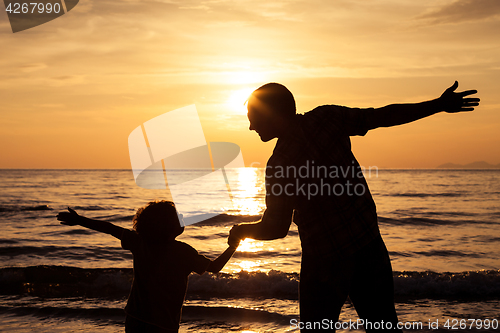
442	229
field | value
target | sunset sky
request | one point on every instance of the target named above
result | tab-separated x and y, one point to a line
73	89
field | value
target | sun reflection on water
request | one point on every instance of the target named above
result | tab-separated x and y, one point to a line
246	197
247	265
250	245
247	200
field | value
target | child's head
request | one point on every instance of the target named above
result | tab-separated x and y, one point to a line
157	221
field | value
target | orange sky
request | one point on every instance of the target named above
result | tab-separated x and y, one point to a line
73	89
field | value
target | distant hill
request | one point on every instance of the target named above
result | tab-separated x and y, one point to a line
473	165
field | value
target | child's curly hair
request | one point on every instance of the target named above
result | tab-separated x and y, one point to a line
157	221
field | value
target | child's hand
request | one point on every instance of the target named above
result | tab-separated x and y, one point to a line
71	218
233	241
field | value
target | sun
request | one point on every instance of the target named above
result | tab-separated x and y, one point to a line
237	100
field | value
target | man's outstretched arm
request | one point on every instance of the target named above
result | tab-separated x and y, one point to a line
398	114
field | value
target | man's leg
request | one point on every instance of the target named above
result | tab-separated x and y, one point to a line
372	289
324	287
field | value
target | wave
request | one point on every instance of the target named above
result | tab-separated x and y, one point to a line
52	311
448	253
20	208
66	281
420	221
220	313
427	221
24	208
65	252
189	312
436	253
120	218
426	195
484	284
8	241
90	208
229	218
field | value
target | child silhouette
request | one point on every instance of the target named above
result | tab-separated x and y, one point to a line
161	264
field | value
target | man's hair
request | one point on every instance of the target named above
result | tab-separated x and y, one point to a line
274	98
157	220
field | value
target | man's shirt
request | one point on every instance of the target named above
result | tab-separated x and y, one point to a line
313	172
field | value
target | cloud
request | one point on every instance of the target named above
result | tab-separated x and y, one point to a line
27	68
51	105
464	10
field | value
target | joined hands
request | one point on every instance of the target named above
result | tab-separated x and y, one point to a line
234	238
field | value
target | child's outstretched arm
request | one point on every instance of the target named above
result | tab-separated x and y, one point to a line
72	218
219	263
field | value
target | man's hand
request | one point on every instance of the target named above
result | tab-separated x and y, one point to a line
235	231
452	102
71	218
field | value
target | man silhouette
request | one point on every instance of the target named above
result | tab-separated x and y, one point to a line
314	179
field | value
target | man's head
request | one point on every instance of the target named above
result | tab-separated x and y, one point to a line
271	108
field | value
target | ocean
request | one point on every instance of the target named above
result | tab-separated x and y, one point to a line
441	227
